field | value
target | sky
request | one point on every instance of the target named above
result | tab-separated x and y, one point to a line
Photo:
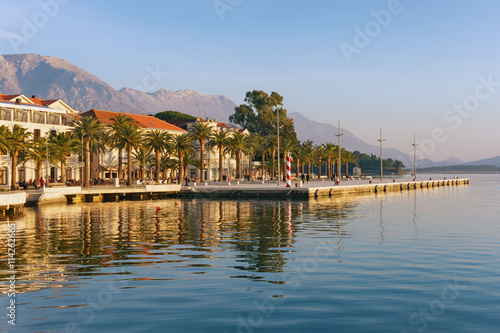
411	67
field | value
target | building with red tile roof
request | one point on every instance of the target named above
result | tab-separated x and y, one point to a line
145	122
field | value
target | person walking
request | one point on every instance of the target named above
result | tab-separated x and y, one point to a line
186	180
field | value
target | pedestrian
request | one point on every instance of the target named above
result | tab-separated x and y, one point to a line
307	178
42	182
302	177
186	180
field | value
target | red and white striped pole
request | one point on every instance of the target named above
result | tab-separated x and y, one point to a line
288	171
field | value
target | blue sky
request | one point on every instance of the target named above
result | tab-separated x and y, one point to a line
409	71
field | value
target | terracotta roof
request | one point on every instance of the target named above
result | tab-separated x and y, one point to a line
8	98
37	101
150	122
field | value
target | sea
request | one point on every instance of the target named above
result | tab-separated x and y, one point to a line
412	261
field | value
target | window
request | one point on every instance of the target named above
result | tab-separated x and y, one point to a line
36	134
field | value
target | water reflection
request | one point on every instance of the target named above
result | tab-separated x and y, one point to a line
59	243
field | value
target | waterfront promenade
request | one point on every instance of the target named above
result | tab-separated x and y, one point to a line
311	189
245	189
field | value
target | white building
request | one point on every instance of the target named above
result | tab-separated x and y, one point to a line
212	155
40	117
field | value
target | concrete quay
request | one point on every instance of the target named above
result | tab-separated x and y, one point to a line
312	189
12	201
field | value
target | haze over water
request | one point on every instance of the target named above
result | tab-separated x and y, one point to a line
416	261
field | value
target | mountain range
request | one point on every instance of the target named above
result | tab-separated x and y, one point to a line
53	78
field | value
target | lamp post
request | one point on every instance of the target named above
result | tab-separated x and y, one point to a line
83	164
381	159
47	158
414	157
338	162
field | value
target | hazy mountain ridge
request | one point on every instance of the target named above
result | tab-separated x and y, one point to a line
493	161
54	78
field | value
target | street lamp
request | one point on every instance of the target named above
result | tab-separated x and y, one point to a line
47	158
381	159
414	158
338	162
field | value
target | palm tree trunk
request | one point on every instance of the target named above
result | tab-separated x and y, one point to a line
238	165
297	167
329	165
202	160
120	162
87	162
250	158
263	166
63	173
346	169
181	165
129	166
157	171
319	168
221	158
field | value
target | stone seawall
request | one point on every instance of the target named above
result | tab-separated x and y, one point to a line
249	191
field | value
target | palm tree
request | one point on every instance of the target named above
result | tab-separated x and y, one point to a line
201	132
117	127
237	144
330	153
17	139
4	133
159	141
91	131
262	150
142	157
37	153
254	141
63	144
129	136
182	144
349	157
320	153
168	163
219	139
297	155
308	156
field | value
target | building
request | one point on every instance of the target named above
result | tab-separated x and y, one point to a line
40	117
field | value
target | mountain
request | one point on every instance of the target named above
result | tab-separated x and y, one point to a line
54	78
494	161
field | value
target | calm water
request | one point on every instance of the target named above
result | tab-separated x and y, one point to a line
416	261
